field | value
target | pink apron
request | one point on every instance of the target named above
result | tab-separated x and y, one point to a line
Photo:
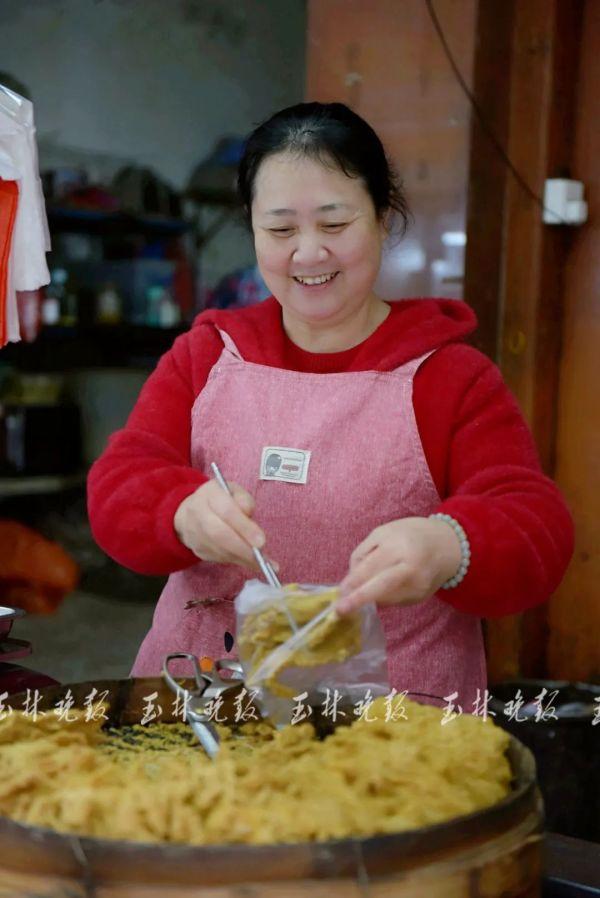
366	467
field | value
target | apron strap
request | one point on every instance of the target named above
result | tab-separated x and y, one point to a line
411	368
229	344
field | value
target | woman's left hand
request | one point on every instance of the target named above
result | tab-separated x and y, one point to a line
403	562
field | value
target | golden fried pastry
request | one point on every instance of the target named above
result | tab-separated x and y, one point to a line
333	639
153	784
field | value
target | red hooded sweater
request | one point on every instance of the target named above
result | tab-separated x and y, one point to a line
478	447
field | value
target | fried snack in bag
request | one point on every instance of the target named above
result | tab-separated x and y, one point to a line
325	654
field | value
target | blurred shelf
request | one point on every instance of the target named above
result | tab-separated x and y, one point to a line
95	221
113	346
206	196
39	484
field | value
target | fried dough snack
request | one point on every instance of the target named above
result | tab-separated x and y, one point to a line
152	784
333	639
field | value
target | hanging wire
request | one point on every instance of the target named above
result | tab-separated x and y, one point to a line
482	118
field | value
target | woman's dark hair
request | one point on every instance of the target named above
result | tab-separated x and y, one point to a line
329	132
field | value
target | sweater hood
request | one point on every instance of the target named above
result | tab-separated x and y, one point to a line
413	328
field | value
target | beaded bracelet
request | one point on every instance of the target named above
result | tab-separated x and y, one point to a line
465	551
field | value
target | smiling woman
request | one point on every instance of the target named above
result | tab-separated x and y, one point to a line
319	194
420	488
320	264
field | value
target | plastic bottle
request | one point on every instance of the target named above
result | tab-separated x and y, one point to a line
154	295
169	312
54	306
109	305
68	298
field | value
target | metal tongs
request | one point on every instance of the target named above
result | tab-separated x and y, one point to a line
210	687
265	566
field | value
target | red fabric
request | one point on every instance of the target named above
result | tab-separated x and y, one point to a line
9	196
35	573
477	445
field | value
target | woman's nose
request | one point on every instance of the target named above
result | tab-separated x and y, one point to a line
309	251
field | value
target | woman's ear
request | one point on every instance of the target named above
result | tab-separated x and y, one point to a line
386	222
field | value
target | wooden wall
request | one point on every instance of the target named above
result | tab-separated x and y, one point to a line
384	59
538	285
574	615
534	68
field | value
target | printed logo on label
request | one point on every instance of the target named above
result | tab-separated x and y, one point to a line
281	463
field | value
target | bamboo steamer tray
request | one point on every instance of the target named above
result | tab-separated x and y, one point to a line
494	853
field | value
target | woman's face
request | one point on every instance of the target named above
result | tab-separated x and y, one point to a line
311	222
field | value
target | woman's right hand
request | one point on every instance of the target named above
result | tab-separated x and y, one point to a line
218	527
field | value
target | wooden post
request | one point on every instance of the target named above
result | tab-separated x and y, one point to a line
514	262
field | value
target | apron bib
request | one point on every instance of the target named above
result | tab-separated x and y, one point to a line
353	438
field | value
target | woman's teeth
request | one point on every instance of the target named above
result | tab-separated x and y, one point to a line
310	282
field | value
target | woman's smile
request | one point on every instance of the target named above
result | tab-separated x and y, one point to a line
315	283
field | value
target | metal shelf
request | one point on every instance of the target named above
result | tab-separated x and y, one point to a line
97	221
114	346
39	484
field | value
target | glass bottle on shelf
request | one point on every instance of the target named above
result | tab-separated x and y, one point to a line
63	290
109	306
154	295
60	301
161	309
169	312
51	304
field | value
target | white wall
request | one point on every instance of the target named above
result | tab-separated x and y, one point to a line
154	81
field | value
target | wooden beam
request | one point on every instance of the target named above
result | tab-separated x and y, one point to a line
574	614
530	109
542	97
487	170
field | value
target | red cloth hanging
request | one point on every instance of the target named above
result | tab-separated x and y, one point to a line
9	198
35	573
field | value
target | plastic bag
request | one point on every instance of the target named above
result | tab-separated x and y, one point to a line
327	655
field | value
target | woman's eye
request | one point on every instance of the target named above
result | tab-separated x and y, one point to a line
335	227
281	232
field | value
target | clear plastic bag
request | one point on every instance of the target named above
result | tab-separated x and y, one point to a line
326	656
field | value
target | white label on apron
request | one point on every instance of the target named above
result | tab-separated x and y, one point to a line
280	463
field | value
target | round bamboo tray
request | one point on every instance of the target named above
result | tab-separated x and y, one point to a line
494	853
